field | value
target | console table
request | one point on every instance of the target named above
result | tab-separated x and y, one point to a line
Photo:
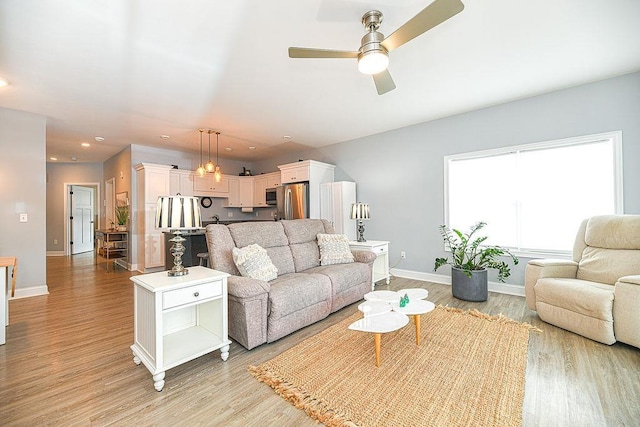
381	264
112	244
177	319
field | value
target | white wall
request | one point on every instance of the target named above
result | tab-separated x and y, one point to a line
22	190
400	173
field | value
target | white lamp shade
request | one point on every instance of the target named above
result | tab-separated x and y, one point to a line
178	212
360	211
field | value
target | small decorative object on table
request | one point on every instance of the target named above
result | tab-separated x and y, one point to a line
404	300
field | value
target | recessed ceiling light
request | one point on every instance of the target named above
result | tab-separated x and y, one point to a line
74	159
164	136
228	149
4	82
53	158
287	137
252	148
99	138
86	144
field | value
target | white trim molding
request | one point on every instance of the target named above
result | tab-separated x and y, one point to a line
501	288
55	253
32	291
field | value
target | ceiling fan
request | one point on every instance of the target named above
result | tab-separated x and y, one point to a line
373	55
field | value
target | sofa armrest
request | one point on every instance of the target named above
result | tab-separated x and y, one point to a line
364	256
626	310
246	287
540	268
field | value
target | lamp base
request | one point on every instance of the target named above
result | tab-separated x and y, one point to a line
361	232
177	250
183	272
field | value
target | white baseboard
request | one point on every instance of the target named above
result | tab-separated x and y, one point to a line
32	291
55	253
502	288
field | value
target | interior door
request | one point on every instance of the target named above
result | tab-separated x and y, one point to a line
82	228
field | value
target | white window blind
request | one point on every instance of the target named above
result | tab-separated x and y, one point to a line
533	197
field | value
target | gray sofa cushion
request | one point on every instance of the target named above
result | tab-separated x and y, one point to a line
221	259
302	238
297	291
269	235
343	276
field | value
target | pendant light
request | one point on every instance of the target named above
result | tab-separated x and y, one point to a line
218	172
201	171
209	166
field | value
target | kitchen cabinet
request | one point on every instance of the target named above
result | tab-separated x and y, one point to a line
274	179
181	181
259	188
240	192
152	181
312	171
336	199
260	185
207	186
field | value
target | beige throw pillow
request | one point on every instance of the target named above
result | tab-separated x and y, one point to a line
334	249
253	261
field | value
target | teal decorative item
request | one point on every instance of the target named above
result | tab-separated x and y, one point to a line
404	300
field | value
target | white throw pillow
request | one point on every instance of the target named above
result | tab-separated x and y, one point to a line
253	261
334	249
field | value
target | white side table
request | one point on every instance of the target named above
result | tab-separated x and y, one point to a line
381	264
177	319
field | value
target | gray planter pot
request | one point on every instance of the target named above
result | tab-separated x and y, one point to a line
472	288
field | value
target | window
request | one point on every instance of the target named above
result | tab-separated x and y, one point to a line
533	197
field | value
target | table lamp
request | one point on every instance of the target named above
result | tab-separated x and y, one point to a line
360	212
178	213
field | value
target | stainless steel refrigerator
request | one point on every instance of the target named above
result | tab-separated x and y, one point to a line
292	201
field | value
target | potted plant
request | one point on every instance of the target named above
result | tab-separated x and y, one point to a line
470	262
122	214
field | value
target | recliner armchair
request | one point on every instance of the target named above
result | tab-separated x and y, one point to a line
596	295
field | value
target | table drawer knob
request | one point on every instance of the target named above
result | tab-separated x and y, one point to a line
196	294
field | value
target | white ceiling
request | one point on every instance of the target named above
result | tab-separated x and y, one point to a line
132	70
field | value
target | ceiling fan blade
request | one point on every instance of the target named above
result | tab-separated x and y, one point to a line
304	52
384	82
432	15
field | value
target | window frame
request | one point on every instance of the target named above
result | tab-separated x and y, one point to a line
614	136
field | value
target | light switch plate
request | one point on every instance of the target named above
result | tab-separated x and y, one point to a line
23	217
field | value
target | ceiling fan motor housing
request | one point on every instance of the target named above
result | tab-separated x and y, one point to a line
371	46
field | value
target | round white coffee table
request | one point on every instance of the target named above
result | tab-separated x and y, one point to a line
378	319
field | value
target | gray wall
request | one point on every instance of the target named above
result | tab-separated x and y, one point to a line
59	174
400	173
22	190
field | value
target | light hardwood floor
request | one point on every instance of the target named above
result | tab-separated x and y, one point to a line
67	362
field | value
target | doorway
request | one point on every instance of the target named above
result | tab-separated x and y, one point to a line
81	213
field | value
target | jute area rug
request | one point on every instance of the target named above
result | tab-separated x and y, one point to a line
469	370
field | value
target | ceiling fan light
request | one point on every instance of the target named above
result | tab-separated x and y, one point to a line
373	62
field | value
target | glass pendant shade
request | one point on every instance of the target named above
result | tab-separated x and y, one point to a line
201	171
210	167
218	173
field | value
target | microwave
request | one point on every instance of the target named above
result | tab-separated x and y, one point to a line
271	197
